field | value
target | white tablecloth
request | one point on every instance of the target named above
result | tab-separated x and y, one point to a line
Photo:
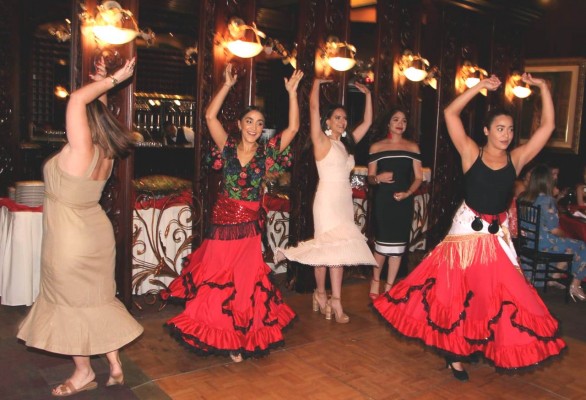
162	238
21	233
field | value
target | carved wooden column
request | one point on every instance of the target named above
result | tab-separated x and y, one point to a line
117	196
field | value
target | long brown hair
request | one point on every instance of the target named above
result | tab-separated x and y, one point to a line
107	132
541	181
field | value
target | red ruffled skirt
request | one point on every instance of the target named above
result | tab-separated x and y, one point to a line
231	303
467	297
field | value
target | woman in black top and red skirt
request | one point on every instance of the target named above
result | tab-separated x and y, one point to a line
468	296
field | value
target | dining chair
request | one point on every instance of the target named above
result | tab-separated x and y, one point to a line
539	266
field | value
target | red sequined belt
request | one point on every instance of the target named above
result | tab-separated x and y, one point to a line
231	212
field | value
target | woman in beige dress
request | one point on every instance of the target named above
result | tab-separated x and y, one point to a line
77	312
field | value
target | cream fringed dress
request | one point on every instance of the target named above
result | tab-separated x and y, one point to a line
337	239
76	312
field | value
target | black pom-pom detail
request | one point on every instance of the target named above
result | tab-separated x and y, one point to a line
477	224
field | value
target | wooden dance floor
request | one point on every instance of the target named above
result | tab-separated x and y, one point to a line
320	360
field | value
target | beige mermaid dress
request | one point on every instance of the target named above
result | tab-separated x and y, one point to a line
337	239
77	312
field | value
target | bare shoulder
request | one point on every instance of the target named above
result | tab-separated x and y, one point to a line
375	147
412	146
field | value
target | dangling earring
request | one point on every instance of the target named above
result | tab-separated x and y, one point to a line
344	134
328	131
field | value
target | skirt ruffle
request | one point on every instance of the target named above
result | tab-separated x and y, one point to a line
464	302
343	246
78	331
232	306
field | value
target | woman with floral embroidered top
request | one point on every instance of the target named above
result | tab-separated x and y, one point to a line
551	238
468	296
232	307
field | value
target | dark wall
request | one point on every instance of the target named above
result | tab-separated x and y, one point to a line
561	33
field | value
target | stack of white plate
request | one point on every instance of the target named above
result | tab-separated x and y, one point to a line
30	193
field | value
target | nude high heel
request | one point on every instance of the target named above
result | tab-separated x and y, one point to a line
371	294
316	305
340	318
576	291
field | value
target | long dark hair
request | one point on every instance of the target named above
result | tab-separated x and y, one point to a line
380	127
107	132
541	181
348	141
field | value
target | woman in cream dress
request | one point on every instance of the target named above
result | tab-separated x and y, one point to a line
76	312
337	240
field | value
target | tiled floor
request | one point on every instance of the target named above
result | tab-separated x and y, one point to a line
321	360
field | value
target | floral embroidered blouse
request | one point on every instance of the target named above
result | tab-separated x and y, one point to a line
245	182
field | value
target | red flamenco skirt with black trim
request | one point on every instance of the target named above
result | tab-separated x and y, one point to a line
231	305
467	297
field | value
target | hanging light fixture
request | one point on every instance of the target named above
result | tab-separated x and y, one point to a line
472	74
114	25
237	44
339	55
520	88
413	66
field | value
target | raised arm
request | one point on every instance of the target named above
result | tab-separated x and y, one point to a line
100	74
217	131
321	144
291	85
359	132
467	147
79	136
522	154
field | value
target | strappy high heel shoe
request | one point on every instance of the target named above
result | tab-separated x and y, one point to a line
340	318
576	291
388	286
460	375
316	304
371	294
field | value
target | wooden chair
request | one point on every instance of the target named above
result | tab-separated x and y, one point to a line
542	266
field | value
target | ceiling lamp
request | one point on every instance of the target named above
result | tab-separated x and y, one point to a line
237	43
339	55
114	25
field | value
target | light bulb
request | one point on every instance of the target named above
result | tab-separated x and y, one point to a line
415	74
472	82
244	49
341	63
521	91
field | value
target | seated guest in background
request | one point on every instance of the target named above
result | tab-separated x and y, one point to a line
551	238
521	184
555	173
182	136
